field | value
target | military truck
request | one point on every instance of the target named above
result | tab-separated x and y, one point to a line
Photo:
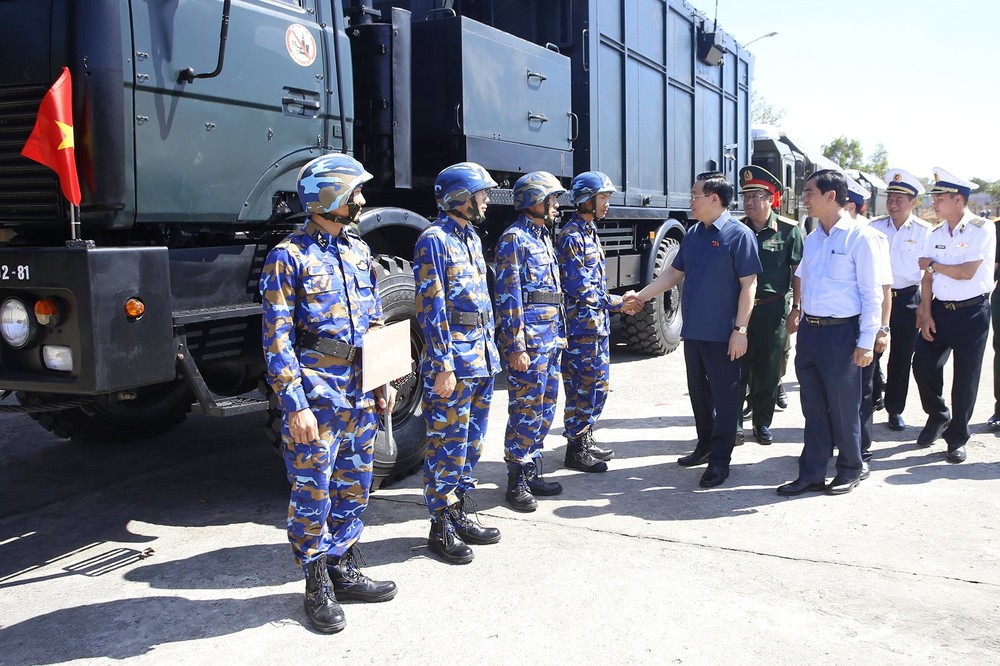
192	120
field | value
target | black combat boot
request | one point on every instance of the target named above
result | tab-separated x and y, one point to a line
444	542
595	450
323	611
578	456
537	483
350	583
518	495
470	530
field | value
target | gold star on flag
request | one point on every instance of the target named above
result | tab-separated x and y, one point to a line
67	132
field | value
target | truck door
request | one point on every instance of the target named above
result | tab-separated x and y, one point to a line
203	147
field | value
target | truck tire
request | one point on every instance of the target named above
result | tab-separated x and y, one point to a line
397	290
154	410
656	330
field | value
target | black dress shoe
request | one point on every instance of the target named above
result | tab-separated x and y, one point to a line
878	404
781	400
747	410
994	422
798	486
841	485
763	435
695	458
713	476
896	422
956	455
865	471
931	432
740	438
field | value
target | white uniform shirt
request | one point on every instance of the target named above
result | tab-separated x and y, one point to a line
841	278
905	247
973	238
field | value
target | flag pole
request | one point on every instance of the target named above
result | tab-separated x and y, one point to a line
74	222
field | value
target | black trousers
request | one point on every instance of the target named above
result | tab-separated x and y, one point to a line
903	338
964	332
830	391
714	387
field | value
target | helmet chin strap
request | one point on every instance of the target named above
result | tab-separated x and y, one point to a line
549	218
590	210
475	218
353	211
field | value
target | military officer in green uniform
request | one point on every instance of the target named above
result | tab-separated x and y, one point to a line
779	245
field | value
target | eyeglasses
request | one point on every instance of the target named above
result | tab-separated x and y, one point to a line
757	196
696	196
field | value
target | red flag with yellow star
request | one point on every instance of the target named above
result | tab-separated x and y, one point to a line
51	142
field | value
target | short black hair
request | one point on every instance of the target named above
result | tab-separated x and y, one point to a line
830	179
716	183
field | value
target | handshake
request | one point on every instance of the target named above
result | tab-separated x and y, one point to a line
632	303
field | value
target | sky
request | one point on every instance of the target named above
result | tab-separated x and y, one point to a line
908	74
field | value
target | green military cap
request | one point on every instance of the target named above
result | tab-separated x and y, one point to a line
753	177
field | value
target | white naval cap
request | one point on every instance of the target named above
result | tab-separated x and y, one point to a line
904	182
949	182
856	194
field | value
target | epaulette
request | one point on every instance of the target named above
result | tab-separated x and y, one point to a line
978	221
883	218
788	220
922	222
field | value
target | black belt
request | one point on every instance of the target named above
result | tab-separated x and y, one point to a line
827	321
955	305
543	297
327	346
905	291
768	299
469	318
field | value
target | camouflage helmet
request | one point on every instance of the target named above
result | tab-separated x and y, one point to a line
456	184
587	184
534	188
326	183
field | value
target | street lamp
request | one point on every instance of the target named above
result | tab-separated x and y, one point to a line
770	34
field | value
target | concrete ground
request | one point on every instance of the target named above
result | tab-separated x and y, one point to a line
173	551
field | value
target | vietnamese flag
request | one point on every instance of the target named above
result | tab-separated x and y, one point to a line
51	142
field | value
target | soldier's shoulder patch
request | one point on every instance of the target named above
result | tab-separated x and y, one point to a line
788	221
922	222
978	221
881	218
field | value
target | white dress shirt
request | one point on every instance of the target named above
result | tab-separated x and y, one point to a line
905	247
841	278
974	238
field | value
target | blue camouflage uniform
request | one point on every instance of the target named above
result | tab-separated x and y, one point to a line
586	361
316	284
526	265
455	313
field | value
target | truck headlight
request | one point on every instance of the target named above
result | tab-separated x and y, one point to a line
15	323
57	357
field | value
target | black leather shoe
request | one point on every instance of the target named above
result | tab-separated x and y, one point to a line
713	476
842	485
878	404
350	584
740	437
865	471
695	458
747	410
931	432
956	455
994	422
781	400
798	486
763	435
896	422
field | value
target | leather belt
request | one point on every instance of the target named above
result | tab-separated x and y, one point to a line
827	321
327	346
905	291
543	297
768	299
956	305
469	318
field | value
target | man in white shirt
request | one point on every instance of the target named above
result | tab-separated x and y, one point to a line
907	235
841	304
958	264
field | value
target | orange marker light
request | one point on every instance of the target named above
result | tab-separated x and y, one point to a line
134	307
47	312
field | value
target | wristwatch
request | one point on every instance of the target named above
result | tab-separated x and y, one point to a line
930	267
883	329
742	330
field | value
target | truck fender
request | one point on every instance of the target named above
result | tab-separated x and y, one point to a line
670	226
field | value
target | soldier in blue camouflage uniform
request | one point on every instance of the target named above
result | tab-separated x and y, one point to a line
459	359
586	361
531	334
319	299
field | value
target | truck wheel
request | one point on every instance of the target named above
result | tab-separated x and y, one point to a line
397	290
154	410
656	330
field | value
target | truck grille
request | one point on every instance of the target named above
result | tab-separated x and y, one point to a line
29	192
616	236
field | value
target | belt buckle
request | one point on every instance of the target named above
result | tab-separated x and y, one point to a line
814	321
950	306
351	351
